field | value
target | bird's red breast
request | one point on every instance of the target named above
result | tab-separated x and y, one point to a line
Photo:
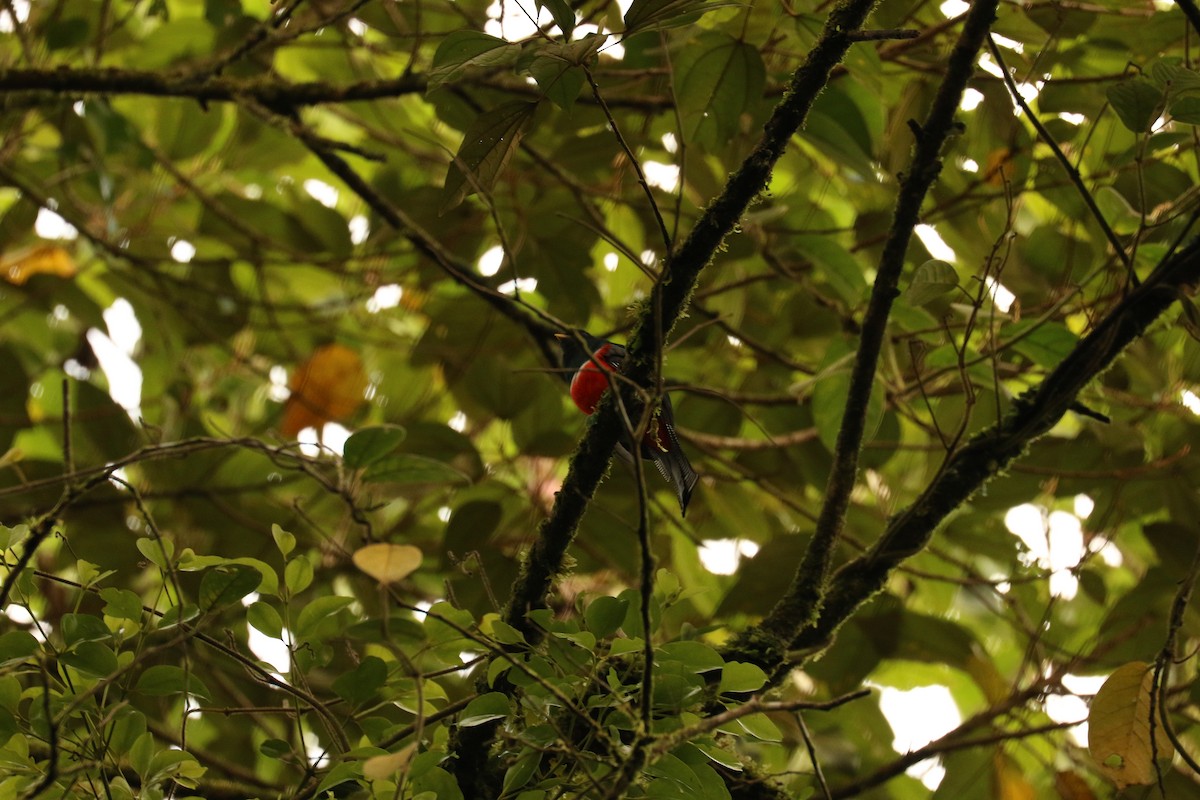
588	385
590	382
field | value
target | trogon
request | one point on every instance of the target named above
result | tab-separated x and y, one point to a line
582	370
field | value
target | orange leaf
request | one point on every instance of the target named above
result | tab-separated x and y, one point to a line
1072	786
1000	166
327	387
43	259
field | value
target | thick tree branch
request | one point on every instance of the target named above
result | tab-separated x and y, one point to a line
546	559
1191	11
273	92
667	302
988	453
799	606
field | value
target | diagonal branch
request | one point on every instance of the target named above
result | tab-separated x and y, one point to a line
988	453
666	304
766	642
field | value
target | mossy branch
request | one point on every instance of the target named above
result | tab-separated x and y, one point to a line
988	453
668	300
272	92
799	606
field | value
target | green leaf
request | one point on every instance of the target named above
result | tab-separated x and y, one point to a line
361	684
644	14
126	728
557	67
720	756
840	268
17	646
263	617
122	604
16	534
760	727
931	280
366	446
222	586
1137	101
141	753
717	79
298	574
522	771
463	50
695	656
1044	343
190	562
496	668
1185	110
559	81
407	470
485	708
739	677
163	680
177	614
1174	78
284	541
830	395
604	615
78	628
317	611
275	748
342	773
175	765
91	658
153	550
564	17
488	144
504	633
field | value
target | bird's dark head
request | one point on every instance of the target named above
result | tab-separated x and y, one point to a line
576	346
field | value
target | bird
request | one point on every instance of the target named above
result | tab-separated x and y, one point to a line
587	381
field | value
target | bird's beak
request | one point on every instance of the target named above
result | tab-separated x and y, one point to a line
561	336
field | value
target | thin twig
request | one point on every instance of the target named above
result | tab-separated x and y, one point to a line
1162	667
1072	173
637	167
812	756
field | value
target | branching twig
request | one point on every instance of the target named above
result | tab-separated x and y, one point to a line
1162	666
1072	172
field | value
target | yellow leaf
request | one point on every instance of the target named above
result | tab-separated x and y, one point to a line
378	768
327	387
1011	783
43	259
1119	727
387	563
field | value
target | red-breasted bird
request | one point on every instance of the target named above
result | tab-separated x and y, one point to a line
660	443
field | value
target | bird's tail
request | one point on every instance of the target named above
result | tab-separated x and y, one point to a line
676	468
668	456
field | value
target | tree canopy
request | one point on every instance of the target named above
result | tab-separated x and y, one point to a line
295	502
